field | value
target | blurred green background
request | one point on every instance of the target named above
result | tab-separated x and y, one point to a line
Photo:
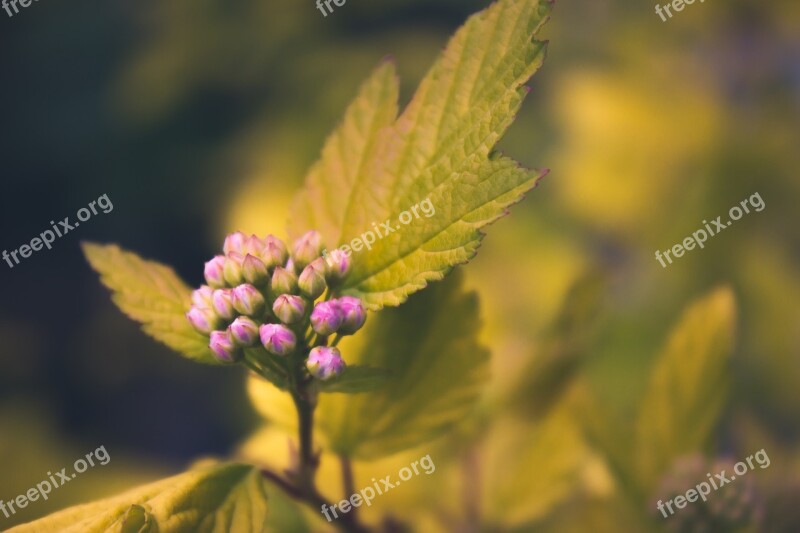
201	117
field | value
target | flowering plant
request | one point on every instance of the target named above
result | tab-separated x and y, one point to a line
287	314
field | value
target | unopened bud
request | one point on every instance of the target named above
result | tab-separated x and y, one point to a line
222	302
247	300
224	347
244	331
354	314
254	270
234	243
274	252
325	362
214	272
202	296
326	318
253	246
233	269
312	279
283	281
307	248
202	319
289	308
277	339
338	264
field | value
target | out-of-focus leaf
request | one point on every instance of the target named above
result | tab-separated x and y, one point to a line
437	371
688	387
216	498
438	151
562	348
356	379
547	460
152	294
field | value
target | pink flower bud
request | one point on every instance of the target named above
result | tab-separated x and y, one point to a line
214	272
244	331
274	252
325	362
202	296
289	308
223	347
253	246
254	270
338	264
354	314
283	281
312	279
232	269
247	300
326	318
222	302
234	243
202	319
307	248
277	339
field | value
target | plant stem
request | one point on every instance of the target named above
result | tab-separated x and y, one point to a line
301	482
347	479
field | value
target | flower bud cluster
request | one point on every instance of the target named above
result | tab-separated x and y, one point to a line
258	293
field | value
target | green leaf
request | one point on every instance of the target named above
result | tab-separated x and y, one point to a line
439	150
688	387
346	158
562	348
150	293
356	379
216	498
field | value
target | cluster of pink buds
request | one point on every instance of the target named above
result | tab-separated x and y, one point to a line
261	294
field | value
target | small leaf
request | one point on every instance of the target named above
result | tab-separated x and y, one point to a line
268	368
356	379
220	497
688	387
152	294
439	150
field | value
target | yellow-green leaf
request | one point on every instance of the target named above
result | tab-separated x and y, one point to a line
688	387
216	498
355	379
346	158
152	294
439	150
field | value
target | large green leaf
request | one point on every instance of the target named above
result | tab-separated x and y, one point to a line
346	158
216	498
355	379
439	149
436	369
688	387
150	293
